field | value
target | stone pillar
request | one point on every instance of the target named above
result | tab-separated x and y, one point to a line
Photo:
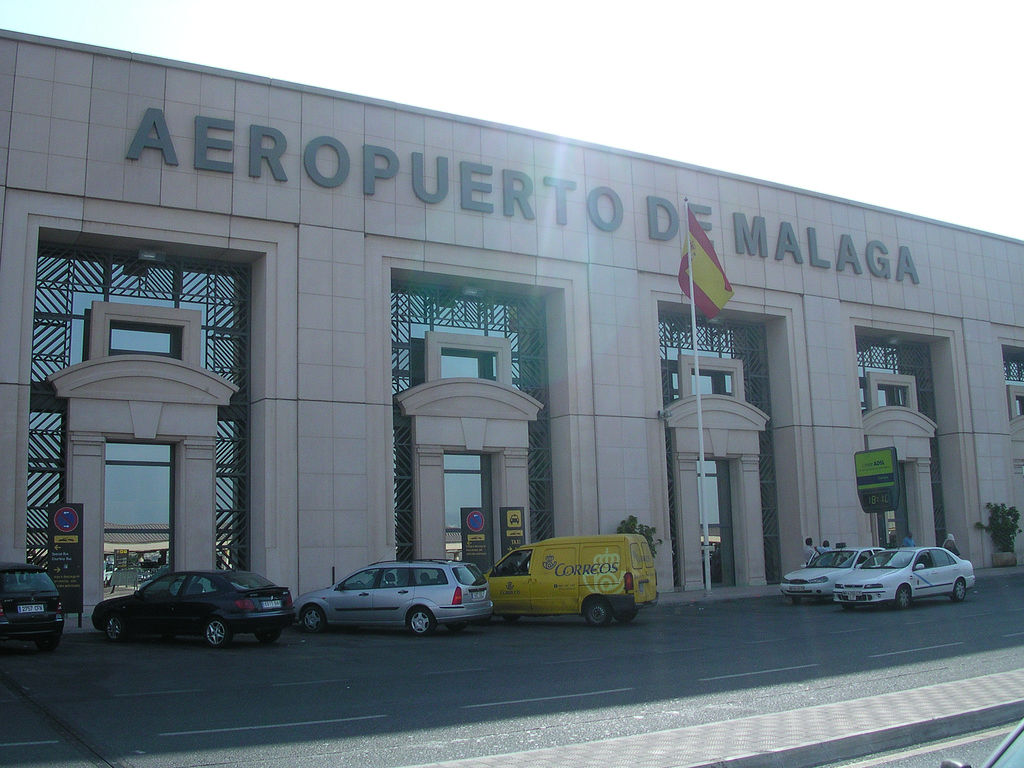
749	534
920	504
513	487
194	523
688	527
85	484
428	519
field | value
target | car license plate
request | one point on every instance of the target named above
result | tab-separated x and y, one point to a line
476	595
799	589
32	608
270	604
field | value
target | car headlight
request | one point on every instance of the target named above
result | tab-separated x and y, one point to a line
873	586
819	580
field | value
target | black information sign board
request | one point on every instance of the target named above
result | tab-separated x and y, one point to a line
65	540
513	528
476	537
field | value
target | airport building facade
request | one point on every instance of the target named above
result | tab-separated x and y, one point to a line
253	324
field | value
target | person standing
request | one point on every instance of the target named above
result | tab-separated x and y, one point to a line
809	550
908	540
950	545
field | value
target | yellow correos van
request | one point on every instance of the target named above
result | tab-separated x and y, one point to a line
600	577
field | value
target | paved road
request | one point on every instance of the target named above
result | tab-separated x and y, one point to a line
691	683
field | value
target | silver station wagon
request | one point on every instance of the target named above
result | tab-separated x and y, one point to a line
416	594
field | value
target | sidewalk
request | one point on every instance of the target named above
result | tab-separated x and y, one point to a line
801	738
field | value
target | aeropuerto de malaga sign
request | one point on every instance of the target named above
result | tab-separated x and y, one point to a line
326	162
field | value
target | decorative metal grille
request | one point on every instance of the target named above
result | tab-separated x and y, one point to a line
907	358
417	308
725	339
1013	365
68	280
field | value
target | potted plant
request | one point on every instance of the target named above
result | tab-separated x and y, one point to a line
632	525
1003	528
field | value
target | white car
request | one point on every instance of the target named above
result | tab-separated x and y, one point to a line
816	579
900	576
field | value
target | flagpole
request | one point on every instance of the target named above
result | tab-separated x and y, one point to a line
701	513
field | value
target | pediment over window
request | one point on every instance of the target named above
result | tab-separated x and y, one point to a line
468	398
142	378
909	431
732	427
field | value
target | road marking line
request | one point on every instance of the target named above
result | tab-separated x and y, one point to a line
311	682
26	743
160	693
544	698
574	661
759	672
455	671
1014	634
274	725
913	650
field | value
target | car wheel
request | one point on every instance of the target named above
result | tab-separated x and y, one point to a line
597	612
457	626
626	616
115	628
795	599
268	636
48	643
903	597
511	618
217	633
421	621
959	591
312	619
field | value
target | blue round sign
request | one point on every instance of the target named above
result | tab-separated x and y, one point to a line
66	519
475	521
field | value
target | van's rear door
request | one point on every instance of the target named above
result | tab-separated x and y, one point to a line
643	567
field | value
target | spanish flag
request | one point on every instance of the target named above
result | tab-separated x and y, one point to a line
712	287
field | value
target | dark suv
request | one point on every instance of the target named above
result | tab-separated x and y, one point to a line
30	607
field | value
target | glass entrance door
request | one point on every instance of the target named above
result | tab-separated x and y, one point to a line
467	483
717	505
138	499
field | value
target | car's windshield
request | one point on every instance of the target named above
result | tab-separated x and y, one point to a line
837	558
27	581
469	574
890	558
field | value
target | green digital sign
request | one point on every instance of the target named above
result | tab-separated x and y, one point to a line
877	479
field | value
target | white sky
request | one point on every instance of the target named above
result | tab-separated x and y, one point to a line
914	106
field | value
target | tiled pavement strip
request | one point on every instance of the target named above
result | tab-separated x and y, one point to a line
799	738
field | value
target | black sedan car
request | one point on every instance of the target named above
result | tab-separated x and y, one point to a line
216	605
30	606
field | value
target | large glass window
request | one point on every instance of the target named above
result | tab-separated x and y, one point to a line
137	504
139	338
456	363
68	281
417	308
724	340
911	359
